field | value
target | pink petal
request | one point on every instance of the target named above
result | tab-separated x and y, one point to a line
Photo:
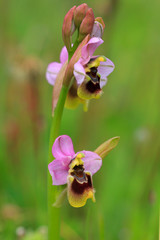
79	72
52	71
63	147
63	55
105	68
58	171
89	49
92	162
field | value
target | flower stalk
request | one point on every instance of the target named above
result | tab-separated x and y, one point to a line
54	213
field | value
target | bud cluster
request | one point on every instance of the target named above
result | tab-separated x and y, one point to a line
82	19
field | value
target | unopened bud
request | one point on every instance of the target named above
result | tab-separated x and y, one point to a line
100	20
80	13
98	28
68	27
86	25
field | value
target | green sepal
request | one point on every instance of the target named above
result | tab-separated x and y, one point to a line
107	146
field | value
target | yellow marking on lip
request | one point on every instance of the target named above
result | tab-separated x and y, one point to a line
102	59
80	155
77	161
95	63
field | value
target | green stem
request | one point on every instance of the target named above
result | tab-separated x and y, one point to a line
54	213
87	225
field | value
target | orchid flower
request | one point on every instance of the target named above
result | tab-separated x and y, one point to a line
90	73
75	169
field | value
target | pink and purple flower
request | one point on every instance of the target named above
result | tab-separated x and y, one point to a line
75	169
90	71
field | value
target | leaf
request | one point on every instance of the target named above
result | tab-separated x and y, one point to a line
107	146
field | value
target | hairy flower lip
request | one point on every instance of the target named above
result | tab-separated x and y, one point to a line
83	185
78	192
93	87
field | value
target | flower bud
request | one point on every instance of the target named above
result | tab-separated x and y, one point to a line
80	13
98	28
86	25
68	27
100	20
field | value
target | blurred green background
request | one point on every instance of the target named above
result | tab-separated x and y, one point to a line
127	185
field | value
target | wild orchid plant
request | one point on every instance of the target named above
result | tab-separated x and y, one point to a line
78	78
